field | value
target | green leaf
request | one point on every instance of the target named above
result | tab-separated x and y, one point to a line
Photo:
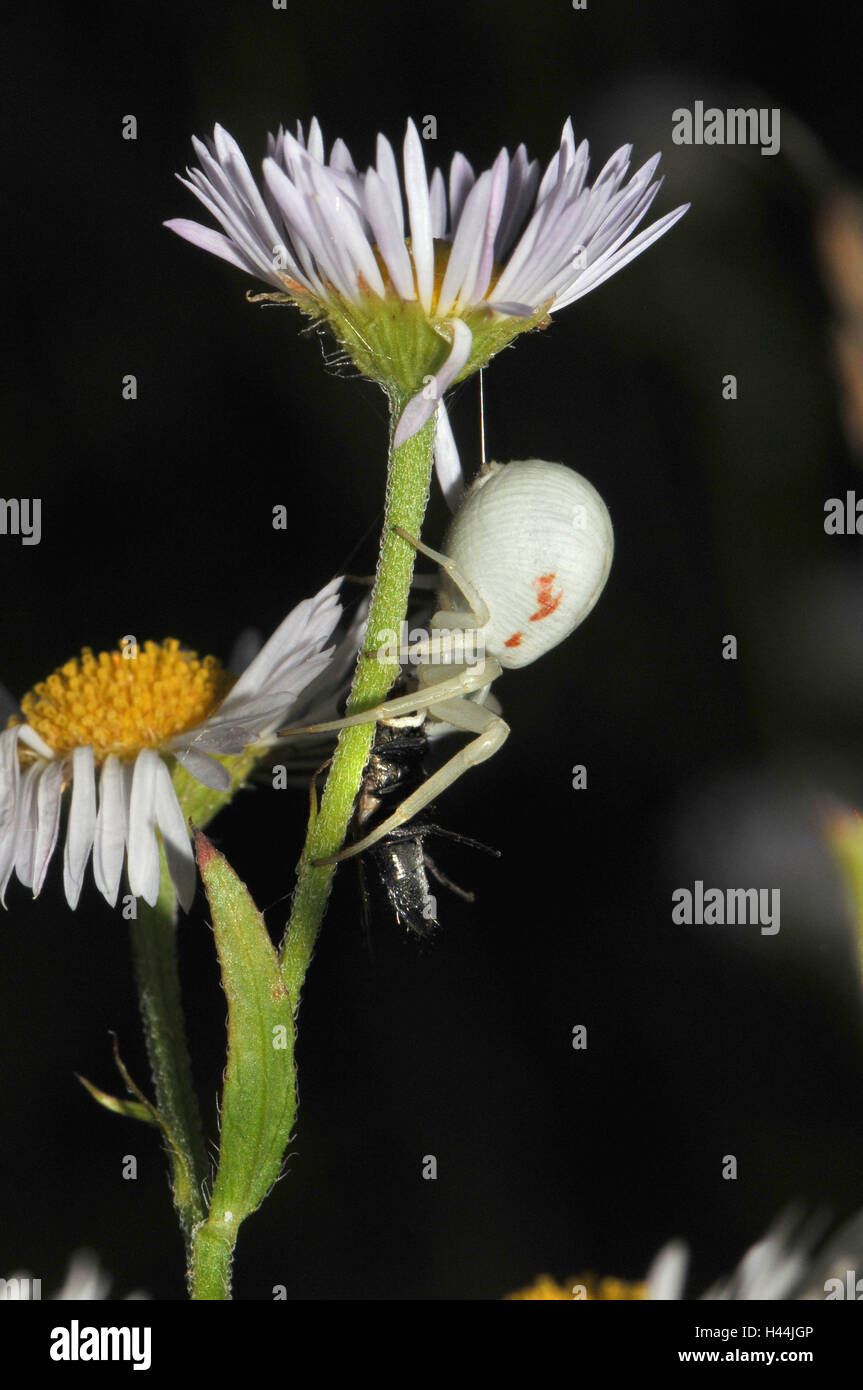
259	1094
132	1109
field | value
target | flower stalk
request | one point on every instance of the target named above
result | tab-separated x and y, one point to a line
408	481
154	947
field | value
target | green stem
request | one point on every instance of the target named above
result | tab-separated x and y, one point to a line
210	1263
407	494
154	945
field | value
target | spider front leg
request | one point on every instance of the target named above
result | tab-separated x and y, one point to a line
491	732
464	682
477	614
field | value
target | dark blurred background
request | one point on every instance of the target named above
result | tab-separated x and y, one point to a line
703	1041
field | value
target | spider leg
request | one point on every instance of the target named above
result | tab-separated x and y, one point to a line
438	692
491	731
479	614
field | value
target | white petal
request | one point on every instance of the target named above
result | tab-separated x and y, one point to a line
446	460
143	845
419	210
26	822
10	775
10	781
48	800
205	769
82	824
306	626
666	1275
30	737
422	406
245	647
112	824
175	837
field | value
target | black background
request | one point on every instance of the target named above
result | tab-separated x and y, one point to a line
157	521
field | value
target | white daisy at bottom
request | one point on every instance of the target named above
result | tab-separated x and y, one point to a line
86	1281
790	1262
111	727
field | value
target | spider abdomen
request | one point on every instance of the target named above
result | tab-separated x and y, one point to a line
536	541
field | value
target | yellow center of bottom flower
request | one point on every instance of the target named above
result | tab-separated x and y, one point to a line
123	701
583	1289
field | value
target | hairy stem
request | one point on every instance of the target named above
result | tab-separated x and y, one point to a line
407	494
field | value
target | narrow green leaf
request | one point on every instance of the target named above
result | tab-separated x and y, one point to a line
259	1094
132	1109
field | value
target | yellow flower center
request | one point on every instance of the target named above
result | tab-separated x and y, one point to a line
585	1288
126	700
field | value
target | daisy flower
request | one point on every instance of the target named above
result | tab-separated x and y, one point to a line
86	1281
784	1264
126	721
422	279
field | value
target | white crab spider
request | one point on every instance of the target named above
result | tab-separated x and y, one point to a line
526	557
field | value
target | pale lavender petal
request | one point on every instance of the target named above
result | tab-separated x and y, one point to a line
437	203
420	409
461	181
234	162
208	239
600	272
523	180
340	158
388	171
347	236
499	178
419	211
297	212
390	239
315	145
511	308
467	246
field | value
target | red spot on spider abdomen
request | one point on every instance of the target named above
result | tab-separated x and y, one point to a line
545	600
514	640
